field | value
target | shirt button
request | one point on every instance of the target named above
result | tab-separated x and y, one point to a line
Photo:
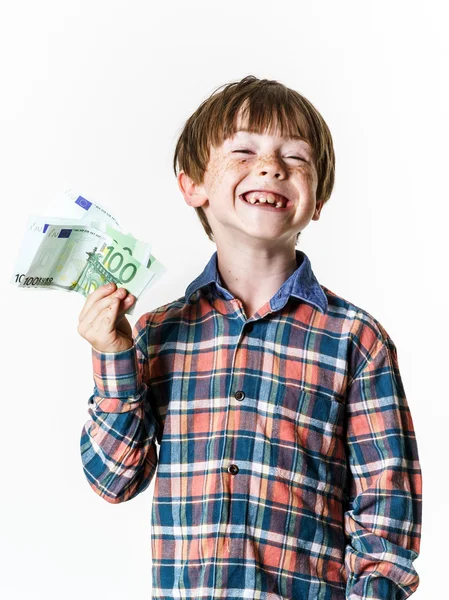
239	395
233	469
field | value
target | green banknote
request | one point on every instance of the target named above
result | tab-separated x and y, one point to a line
72	255
141	251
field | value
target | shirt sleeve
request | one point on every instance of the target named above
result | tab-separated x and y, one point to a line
382	520
118	442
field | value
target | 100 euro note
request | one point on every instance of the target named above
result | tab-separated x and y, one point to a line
80	208
70	255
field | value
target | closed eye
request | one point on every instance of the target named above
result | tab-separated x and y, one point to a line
246	151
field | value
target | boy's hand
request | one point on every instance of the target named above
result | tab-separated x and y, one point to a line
102	321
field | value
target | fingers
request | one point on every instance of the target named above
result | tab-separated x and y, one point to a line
111	301
104	322
125	305
99	293
98	321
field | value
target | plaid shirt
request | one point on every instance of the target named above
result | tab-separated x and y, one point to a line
288	466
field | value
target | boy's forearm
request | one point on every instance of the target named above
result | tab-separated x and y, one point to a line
383	518
118	449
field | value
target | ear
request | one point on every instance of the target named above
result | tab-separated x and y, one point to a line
193	193
319	206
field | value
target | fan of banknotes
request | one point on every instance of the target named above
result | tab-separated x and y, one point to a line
80	254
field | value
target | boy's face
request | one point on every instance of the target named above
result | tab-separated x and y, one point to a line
249	162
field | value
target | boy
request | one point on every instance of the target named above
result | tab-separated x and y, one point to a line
288	466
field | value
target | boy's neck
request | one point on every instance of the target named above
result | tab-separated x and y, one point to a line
254	276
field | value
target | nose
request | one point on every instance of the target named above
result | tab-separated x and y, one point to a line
271	166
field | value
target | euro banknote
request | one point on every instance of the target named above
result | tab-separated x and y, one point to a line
71	204
82	254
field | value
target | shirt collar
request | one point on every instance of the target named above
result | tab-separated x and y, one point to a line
301	284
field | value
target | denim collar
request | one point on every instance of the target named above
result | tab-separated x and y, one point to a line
301	284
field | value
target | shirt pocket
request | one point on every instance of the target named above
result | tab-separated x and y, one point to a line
311	422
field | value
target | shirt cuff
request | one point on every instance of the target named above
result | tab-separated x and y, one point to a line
116	374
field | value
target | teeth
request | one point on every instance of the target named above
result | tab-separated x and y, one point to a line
263	198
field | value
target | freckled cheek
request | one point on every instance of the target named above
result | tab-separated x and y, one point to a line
309	178
220	171
214	176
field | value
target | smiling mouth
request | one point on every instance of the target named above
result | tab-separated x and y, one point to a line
266	205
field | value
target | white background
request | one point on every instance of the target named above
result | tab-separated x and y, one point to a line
94	94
